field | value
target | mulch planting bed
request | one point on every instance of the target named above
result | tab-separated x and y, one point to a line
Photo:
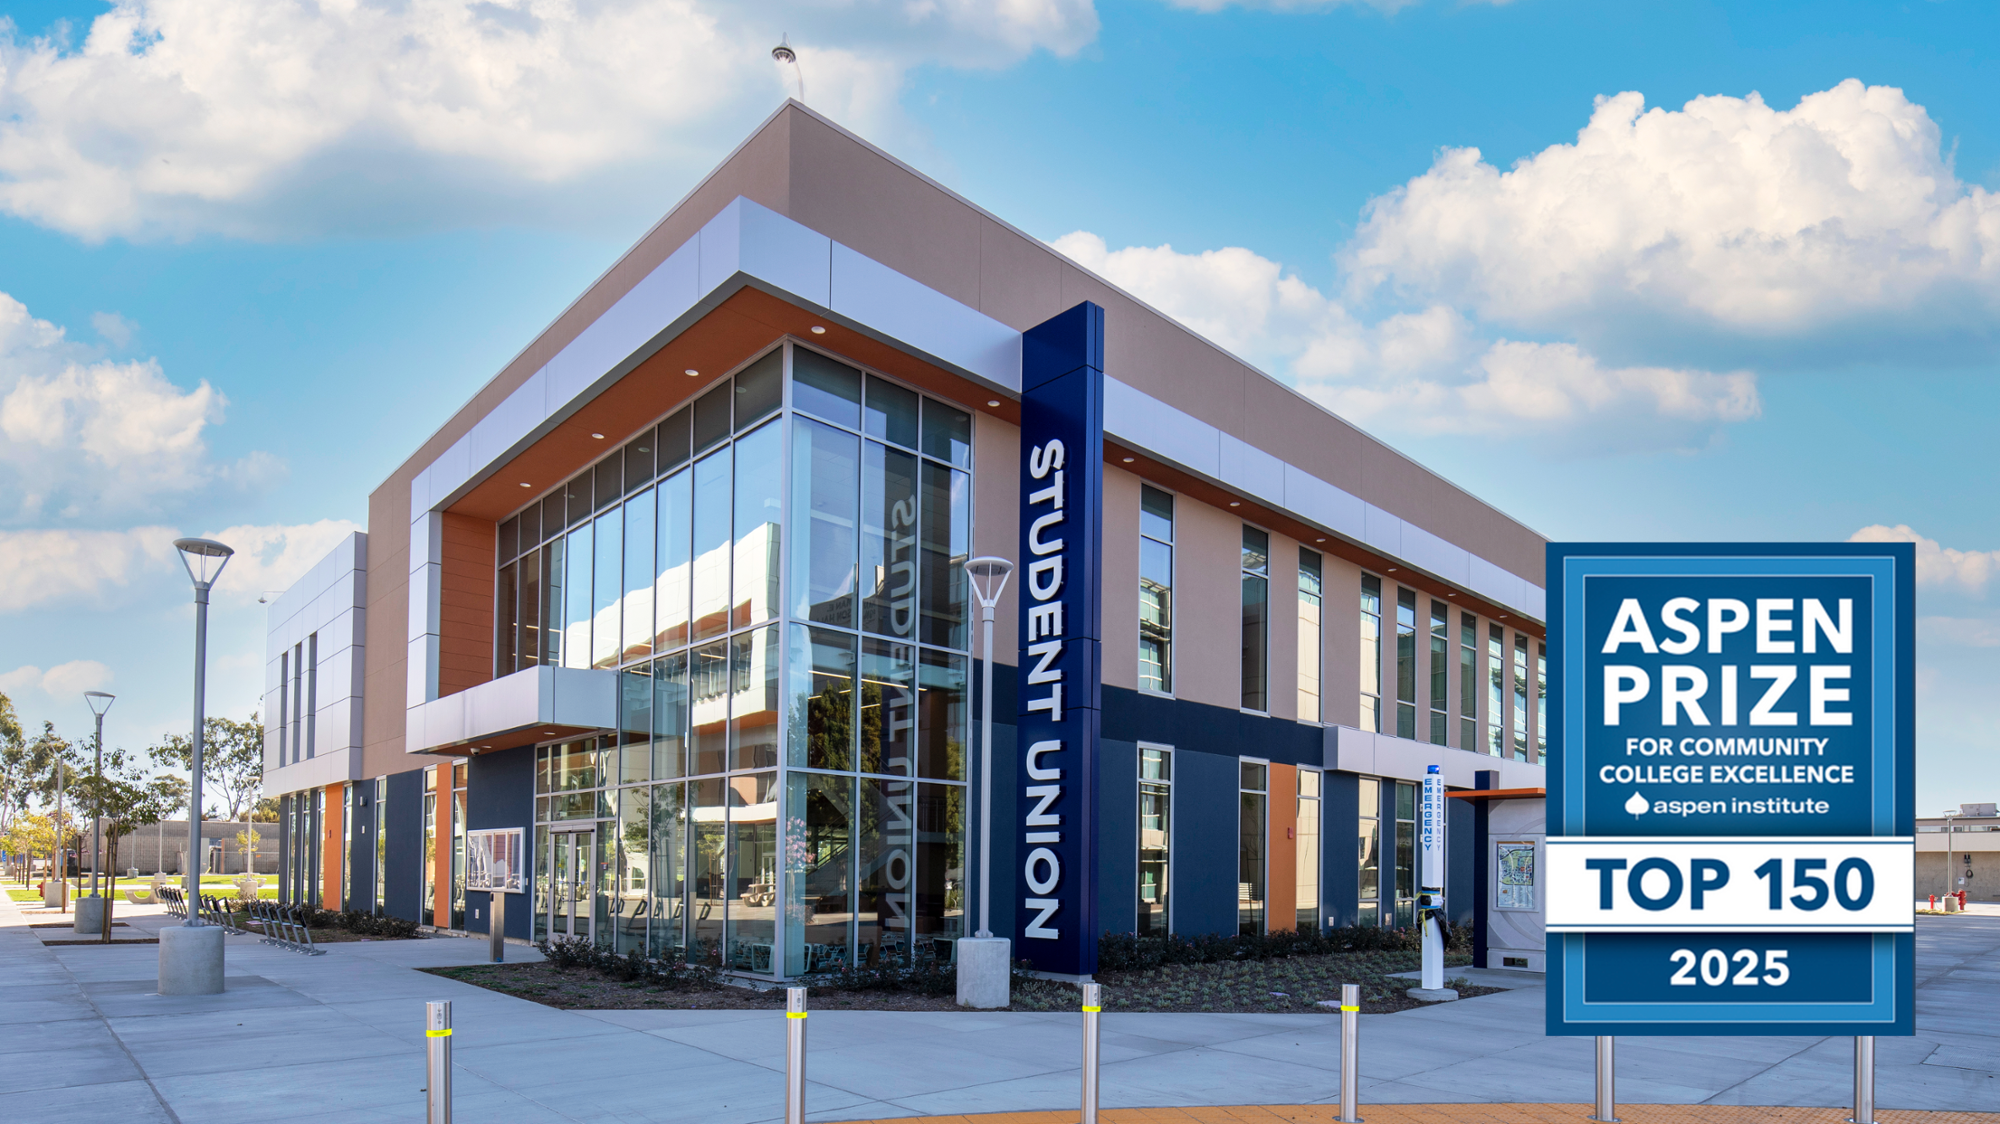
1289	985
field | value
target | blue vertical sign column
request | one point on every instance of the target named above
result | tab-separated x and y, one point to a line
1062	495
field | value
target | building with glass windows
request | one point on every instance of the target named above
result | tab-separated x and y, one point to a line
681	595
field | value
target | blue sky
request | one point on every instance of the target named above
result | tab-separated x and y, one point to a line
1721	321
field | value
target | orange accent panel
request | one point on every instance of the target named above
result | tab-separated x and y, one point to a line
1281	892
330	856
465	608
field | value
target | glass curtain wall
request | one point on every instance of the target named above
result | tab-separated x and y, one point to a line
776	574
1156	810
1156	589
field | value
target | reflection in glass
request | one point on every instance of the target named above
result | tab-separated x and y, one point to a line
531	610
890	413
947	537
760	388
711	418
667	865
630	897
889	542
1155	838
674	568
576	594
610	568
1250	863
885	877
947	433
639	576
753	718
942	714
1306	883
753	871
635	724
711	544
819	861
821	713
507	619
824	479
938	916
555	573
707	834
670	716
759	518
1369	851
888	707
708	707
826	388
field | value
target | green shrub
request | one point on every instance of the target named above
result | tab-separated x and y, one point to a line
570	953
1125	952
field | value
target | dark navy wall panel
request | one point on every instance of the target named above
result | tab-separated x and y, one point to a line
405	887
1341	870
1131	715
1460	856
1204	844
1118	836
500	792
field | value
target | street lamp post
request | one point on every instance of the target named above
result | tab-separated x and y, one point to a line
983	978
91	916
191	953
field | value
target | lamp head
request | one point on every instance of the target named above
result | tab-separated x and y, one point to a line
204	559
988	575
99	701
783	51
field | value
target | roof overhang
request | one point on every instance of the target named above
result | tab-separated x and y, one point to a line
538	704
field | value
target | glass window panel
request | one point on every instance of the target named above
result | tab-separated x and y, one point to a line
760	389
552	513
1468	682
542	769
543	877
638	601
888	707
819	911
573	766
529	652
821	717
1440	670
826	388
1541	701
1256	550
631	881
947	433
1155	839
606	608
890	413
1310	637
886	872
708	837
1256	641
506	618
943	711
1496	688
711	418
759	519
753	708
1156	615
510	539
1306	895
752	887
1371	652
1368	852
888	541
635	724
673	583
576	598
531	526
609	482
672	439
639	461
938	912
712	544
1156	765
576	497
1253	775
1520	697
1156	513
1250	863
947	538
708	707
825	482
1406	663
667	868
670	716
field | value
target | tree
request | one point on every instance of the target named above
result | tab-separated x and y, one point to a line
126	798
232	761
14	767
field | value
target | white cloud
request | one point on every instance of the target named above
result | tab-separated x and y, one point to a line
80	435
1428	371
1727	215
47	567
62	681
273	557
178	117
1938	565
113	328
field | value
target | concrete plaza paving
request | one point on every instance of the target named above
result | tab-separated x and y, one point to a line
339	1037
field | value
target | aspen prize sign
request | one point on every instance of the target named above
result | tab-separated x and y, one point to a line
1731	846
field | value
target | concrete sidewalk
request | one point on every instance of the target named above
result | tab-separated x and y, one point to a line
303	1039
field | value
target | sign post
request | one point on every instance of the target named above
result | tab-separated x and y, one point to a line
1430	840
1731	848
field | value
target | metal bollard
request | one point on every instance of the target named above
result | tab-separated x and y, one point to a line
1350	1051
496	925
1607	1092
1093	1008
1864	1079
437	1049
795	1055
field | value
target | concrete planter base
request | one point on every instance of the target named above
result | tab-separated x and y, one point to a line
89	917
984	981
1433	994
191	960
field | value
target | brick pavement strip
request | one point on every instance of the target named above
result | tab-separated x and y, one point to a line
1458	1114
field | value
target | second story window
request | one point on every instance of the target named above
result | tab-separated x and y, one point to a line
1406	663
1520	697
1440	670
1156	589
1468	682
1371	652
1309	636
1496	691
1256	619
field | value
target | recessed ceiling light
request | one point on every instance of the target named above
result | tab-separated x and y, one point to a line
599	436
1128	460
992	401
525	484
691	372
1319	540
1503	616
1235	503
1392	569
1451	595
818	330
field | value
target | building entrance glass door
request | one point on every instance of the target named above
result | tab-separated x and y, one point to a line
570	883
